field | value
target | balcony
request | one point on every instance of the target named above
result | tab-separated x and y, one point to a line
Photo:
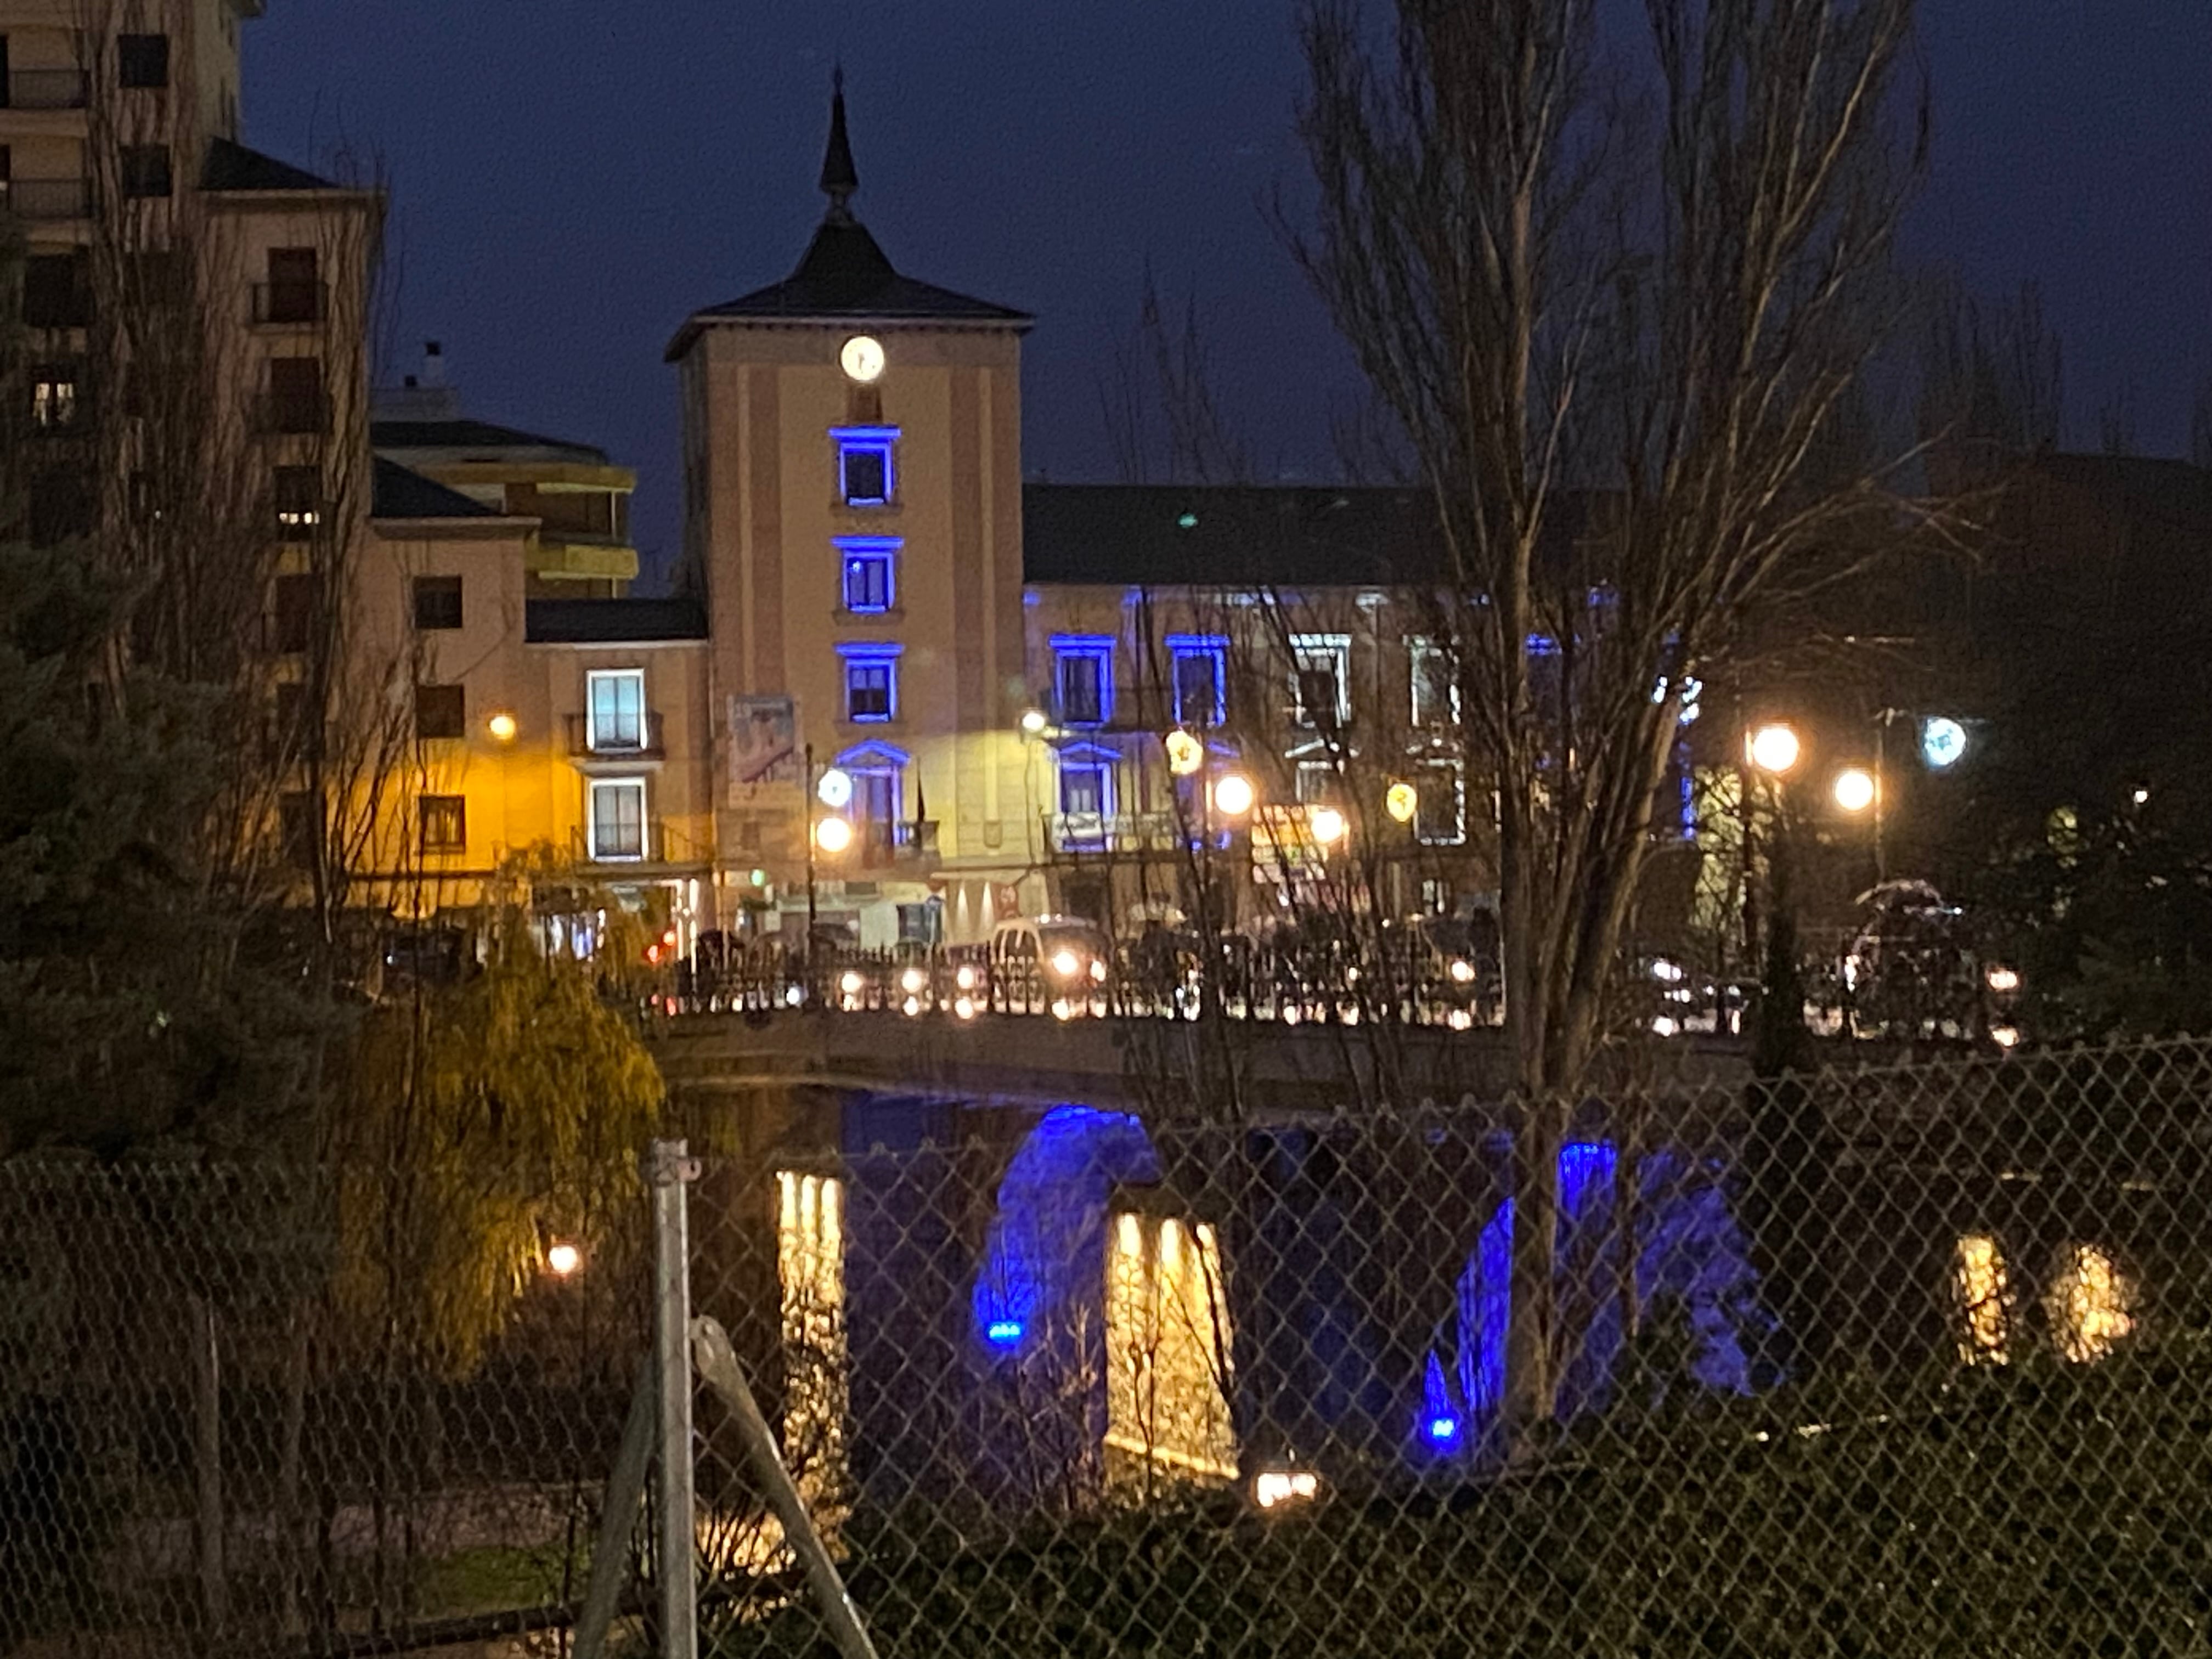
1112	832
292	414
295	301
45	200
650	847
878	844
615	742
46	89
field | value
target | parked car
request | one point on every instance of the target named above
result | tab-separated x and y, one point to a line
1037	961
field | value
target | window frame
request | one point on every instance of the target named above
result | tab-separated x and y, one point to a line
879	553
593	789
437	588
448	811
612	741
1455	771
1420	652
124	78
440	693
1091	760
881	441
1188	647
1096	649
1337	649
870	657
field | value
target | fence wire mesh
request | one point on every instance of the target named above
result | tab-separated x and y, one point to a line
1903	1361
1898	1361
253	1410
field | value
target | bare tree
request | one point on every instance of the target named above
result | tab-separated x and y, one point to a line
1992	383
1545	305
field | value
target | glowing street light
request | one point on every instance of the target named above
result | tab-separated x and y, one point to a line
833	834
1033	720
1942	742
1186	754
1327	824
563	1259
1233	794
835	789
1854	789
1401	801
502	726
1773	748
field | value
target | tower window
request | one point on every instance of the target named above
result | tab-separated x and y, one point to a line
1083	676
142	60
870	581
445	823
865	474
145	170
871	681
1201	664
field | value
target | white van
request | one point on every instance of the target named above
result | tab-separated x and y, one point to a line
1037	961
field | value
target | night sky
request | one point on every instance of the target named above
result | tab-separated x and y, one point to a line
570	180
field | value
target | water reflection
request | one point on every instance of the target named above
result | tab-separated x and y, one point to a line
2091	1304
1984	1296
1167	1347
809	1259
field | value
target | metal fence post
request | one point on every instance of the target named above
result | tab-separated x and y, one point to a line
669	1169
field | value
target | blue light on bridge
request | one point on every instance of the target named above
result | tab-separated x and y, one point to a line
1440	1418
1004	1332
1443	1431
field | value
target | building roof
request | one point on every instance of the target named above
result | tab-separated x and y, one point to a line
232	166
1227	536
845	274
613	621
401	494
497	443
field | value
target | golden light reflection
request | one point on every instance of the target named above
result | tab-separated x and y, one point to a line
1167	1347
810	1272
1985	1301
2090	1303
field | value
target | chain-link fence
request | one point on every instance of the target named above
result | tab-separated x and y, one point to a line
246	1409
1900	1361
1893	1362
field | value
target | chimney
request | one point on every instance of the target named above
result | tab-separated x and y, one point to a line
434	363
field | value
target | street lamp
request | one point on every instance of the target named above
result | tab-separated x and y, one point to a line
1233	794
502	726
1854	789
835	789
1186	754
833	834
1327	824
1773	748
563	1259
1401	801
1033	720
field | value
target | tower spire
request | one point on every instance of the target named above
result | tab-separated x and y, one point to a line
839	176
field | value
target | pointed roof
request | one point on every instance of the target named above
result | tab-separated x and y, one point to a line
844	274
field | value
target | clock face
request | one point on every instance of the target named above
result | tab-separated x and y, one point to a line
862	358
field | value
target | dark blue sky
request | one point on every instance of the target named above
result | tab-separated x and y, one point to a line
571	179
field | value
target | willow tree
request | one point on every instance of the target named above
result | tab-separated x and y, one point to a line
1614	288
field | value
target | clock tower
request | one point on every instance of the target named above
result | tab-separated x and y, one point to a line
852	459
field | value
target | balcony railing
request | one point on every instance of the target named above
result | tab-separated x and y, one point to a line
293	413
1112	832
893	843
616	740
604	845
46	89
47	199
297	302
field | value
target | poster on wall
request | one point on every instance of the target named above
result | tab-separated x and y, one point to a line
763	743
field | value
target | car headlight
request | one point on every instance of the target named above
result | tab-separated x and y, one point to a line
1462	972
1065	963
1098	970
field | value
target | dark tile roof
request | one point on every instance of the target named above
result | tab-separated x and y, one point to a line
845	274
469	435
1227	535
400	494
233	167
613	621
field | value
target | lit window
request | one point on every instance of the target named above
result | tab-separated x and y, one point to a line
444	821
616	706
871	681
1440	815
1200	677
1086	782
1322	678
1435	684
871	573
53	397
1167	1347
1082	678
617	828
865	474
298	496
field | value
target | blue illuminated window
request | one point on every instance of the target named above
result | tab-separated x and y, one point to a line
870	565
865	474
1082	678
1200	677
871	681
